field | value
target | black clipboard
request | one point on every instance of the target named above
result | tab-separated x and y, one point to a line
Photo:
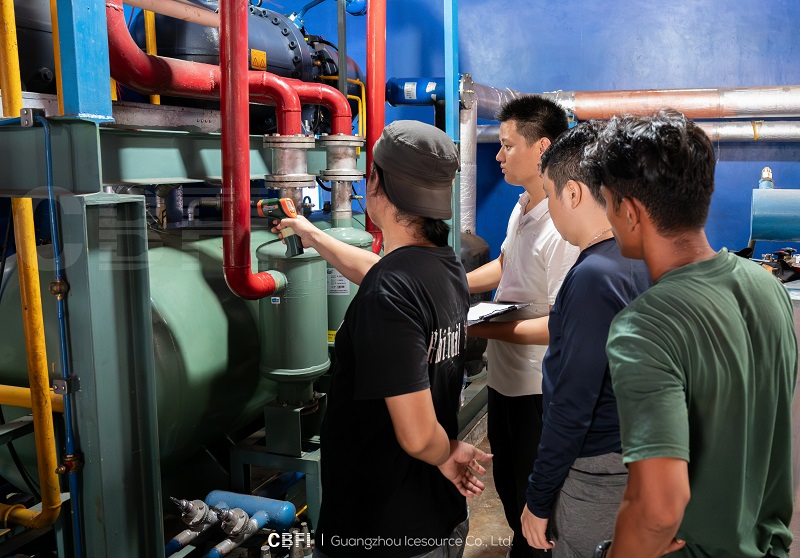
485	311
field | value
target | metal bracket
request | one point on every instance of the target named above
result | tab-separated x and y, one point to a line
28	116
63	387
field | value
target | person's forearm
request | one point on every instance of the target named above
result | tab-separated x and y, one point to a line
435	451
636	535
350	261
522	332
486	277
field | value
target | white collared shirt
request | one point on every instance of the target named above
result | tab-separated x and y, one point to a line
535	261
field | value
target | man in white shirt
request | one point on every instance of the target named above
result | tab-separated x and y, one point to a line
533	262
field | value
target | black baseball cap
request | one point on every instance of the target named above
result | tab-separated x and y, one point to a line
419	164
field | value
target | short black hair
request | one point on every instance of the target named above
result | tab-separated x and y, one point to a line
536	117
566	159
665	161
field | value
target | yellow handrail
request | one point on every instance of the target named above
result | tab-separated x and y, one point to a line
150	43
21	397
32	322
56	55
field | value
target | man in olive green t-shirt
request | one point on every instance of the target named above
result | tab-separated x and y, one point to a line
703	364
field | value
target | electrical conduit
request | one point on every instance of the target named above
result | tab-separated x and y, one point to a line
33	324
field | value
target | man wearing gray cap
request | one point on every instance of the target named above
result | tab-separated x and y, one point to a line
394	476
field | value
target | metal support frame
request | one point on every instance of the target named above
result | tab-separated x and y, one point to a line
125	156
105	244
290	443
83	42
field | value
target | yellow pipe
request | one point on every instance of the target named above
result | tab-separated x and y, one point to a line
357	99
150	43
21	397
114	90
57	55
32	322
362	117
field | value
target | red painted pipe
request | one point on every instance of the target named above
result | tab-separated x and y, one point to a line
330	97
168	76
234	102
376	92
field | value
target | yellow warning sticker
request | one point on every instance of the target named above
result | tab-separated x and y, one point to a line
258	59
331	336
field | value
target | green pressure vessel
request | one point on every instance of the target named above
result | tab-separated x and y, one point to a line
205	343
340	290
294	323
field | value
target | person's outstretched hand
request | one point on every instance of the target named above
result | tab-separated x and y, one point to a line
301	226
462	465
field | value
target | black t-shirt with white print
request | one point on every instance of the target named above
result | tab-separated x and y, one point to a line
404	331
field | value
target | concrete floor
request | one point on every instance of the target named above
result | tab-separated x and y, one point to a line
489	534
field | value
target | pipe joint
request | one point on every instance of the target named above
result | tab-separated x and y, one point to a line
59	288
234	522
290	165
71	465
341	157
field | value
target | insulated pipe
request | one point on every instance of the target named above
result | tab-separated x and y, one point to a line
469	168
281	514
21	397
741	102
178	10
755	130
167	76
32	321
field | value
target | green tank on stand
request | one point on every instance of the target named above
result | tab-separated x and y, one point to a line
205	344
294	323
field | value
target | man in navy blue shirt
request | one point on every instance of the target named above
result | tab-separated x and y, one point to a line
578	478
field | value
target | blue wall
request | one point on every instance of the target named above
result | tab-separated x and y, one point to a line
533	45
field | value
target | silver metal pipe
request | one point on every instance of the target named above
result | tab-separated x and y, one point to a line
754	130
341	201
738	102
197	203
469	168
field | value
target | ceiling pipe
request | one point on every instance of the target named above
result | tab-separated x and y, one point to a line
754	130
376	93
738	102
178	10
